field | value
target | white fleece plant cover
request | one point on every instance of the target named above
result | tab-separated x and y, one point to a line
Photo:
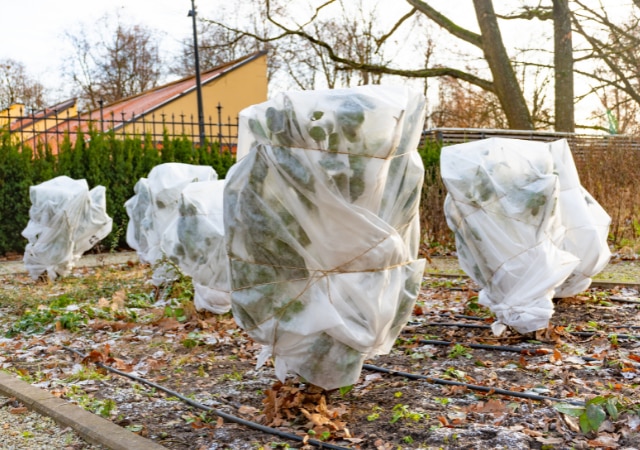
322	227
195	243
155	206
65	220
586	222
526	230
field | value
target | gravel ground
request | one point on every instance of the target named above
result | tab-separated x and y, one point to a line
22	429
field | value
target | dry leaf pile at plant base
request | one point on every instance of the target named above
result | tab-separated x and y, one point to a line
113	317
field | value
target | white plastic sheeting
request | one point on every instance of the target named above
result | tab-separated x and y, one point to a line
322	228
586	222
526	230
155	206
65	220
195	242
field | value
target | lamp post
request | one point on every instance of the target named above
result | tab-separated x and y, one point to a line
192	14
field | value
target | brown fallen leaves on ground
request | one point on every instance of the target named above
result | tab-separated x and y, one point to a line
116	319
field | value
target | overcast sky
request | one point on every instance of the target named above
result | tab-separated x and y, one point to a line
32	31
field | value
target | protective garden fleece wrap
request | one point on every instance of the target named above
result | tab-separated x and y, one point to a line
65	220
195	242
526	230
322	227
177	213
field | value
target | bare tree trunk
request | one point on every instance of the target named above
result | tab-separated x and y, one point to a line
506	84
563	66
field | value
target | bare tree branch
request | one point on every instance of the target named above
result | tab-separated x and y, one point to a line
446	23
354	65
111	67
381	40
529	13
600	49
315	13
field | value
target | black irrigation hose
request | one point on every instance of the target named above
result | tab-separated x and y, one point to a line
462	316
595	333
624	300
484	319
475	387
223	415
573	333
501	348
521	350
454	324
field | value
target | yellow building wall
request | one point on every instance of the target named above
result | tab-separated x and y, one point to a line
12	112
41	125
241	87
34	128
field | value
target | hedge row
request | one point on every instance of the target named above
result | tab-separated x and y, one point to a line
101	159
118	163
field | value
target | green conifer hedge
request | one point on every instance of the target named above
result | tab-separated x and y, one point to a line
102	159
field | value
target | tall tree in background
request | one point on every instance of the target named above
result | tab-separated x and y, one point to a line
218	45
117	64
563	61
504	83
16	86
563	67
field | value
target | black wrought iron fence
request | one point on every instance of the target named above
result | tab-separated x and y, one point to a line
51	127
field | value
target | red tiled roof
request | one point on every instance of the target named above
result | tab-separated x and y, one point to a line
155	98
143	103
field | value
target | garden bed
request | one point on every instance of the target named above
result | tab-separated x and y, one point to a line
114	318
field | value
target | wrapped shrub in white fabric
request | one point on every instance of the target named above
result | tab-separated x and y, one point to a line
509	210
322	227
587	224
65	220
155	206
195	243
140	223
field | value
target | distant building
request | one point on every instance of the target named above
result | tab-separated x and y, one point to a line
226	90
25	127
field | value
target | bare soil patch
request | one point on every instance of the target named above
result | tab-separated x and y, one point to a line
113	317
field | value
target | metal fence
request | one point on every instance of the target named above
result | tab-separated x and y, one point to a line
51	127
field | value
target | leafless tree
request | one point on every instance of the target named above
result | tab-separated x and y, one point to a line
563	61
17	86
216	46
116	64
613	47
463	105
305	65
503	83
